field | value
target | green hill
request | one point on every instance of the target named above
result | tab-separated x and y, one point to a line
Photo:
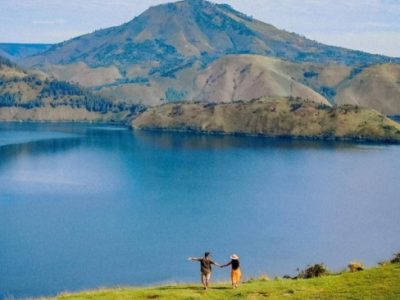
26	95
273	117
377	283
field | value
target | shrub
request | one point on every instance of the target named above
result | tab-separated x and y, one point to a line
173	95
323	106
327	92
295	106
316	270
8	99
396	258
176	111
310	74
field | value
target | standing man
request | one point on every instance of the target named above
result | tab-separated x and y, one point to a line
205	268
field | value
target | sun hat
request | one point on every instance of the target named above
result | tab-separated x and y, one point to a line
234	256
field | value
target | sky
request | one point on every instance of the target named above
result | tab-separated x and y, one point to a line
368	25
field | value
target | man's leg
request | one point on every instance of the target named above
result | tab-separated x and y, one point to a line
208	277
204	280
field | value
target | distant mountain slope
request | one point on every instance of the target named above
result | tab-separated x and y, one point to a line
377	87
5	54
32	95
15	51
230	78
167	36
246	77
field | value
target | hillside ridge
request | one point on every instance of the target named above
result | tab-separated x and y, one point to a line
273	117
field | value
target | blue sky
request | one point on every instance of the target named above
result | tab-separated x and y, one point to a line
369	25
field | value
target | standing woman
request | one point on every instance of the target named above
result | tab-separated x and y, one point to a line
235	272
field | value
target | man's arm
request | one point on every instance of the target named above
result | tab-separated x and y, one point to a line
215	263
194	258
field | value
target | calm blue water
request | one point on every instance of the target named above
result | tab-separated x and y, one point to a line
395	118
83	206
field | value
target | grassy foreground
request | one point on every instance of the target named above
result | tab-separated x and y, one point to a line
382	282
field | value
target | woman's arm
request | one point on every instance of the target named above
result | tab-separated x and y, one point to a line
228	264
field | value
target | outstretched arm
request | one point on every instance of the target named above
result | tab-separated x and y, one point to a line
225	265
194	258
215	263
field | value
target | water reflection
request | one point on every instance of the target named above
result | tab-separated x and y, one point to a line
41	147
193	141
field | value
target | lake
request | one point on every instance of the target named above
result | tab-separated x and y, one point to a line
84	206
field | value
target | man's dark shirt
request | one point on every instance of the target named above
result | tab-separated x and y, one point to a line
205	265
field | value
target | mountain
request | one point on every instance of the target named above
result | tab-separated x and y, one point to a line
165	53
34	96
171	35
272	117
377	87
15	51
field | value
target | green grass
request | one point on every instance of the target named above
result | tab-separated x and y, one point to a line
382	282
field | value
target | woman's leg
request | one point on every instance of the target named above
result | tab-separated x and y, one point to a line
235	277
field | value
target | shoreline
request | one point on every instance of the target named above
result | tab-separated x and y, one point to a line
335	139
67	121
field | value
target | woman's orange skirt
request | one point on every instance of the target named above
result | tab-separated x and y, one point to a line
236	275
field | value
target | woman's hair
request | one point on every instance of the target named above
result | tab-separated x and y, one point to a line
206	254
